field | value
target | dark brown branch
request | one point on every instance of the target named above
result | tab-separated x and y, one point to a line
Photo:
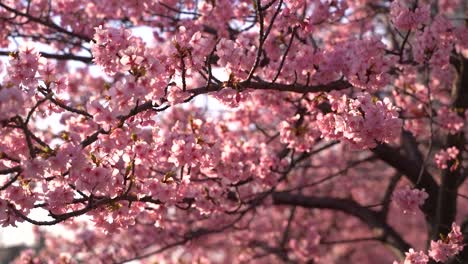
263	34
57	56
261	85
66	107
27	136
279	252
298	88
452	179
406	166
368	216
285	238
92	138
9	182
388	194
353	240
11	170
90	206
283	59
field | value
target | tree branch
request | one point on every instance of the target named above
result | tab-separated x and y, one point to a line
406	166
262	85
57	56
368	216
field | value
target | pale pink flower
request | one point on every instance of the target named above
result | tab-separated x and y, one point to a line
409	200
447	155
413	257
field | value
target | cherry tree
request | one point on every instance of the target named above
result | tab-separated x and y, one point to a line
333	131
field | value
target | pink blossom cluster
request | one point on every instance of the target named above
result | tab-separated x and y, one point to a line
23	67
362	62
366	65
19	198
10	98
20	81
361	122
306	138
230	97
299	136
108	42
443	249
235	56
440	250
326	65
57	197
444	156
434	44
98	179
326	11
7	215
304	249
409	200
322	12
53	79
449	120
449	5
413	257
201	45
406	17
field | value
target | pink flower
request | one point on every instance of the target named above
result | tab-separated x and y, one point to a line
301	137
455	236
230	97
406	19
106	46
448	155
161	191
361	122
409	200
102	115
413	257
450	120
176	95
441	251
10	98
130	58
7	217
34	168
435	43
58	197
24	66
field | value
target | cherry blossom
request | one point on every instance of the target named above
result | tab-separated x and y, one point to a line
235	131
444	156
413	257
408	199
405	16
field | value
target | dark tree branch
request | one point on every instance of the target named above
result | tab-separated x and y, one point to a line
452	178
283	58
368	216
9	182
11	170
388	195
261	85
406	166
66	57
